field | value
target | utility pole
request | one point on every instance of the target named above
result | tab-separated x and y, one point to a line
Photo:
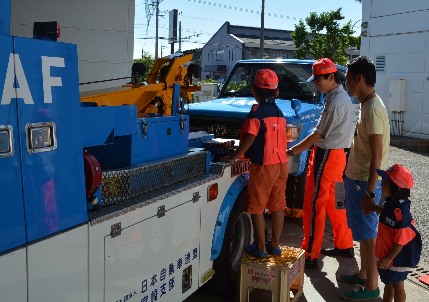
261	45
156	28
180	36
172	48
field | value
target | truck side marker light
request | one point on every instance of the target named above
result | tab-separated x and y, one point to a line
41	137
6	146
212	192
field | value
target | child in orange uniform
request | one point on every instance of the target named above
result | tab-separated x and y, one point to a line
263	141
398	244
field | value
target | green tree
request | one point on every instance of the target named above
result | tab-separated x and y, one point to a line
147	60
323	36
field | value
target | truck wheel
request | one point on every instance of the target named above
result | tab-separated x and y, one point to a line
238	234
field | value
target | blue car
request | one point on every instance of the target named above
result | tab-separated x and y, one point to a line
300	102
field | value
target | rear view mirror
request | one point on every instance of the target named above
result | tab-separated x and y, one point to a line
296	105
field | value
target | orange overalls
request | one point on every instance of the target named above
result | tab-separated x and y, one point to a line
325	168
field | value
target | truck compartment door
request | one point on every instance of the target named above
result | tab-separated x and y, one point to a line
49	136
12	223
157	258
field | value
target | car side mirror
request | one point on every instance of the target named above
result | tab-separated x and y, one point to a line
296	106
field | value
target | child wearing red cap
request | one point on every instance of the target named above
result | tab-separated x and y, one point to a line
263	141
398	243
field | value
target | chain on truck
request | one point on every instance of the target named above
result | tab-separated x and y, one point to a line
108	197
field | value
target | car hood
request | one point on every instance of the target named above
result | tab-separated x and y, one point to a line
237	107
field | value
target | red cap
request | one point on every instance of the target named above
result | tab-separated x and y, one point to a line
322	66
399	175
266	78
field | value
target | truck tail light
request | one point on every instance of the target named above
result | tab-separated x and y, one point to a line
212	191
293	131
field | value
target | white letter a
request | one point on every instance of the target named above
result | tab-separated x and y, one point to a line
21	91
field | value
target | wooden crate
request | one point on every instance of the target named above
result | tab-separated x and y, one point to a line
283	275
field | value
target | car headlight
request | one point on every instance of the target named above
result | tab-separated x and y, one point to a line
293	131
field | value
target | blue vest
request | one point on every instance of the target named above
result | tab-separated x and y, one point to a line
409	256
263	112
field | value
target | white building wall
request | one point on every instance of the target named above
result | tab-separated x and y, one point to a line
398	31
102	29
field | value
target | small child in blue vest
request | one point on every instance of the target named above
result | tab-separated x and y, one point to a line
398	246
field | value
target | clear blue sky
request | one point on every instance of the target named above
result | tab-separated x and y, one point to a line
200	19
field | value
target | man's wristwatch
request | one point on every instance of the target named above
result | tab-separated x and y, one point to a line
370	194
290	152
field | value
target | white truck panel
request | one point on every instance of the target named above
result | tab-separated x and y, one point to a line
13	265
148	258
148	244
99	230
58	268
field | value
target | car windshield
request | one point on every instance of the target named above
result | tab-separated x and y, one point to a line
292	81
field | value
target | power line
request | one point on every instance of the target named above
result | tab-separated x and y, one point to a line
229	6
218	5
194	32
241	9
